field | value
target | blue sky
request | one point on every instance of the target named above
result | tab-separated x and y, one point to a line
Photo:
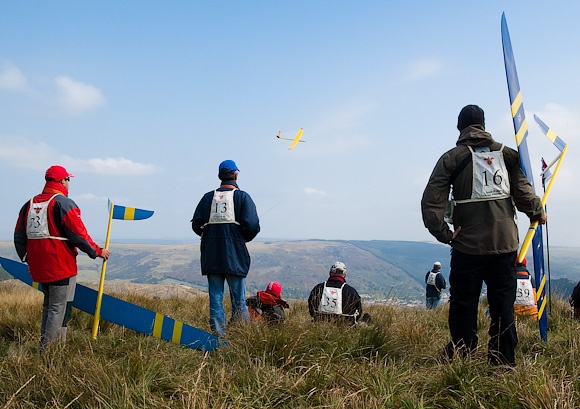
142	100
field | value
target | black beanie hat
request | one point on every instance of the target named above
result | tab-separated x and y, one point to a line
470	115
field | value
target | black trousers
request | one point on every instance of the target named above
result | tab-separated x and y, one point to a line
468	272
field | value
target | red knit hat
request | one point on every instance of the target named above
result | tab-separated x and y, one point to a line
274	288
57	173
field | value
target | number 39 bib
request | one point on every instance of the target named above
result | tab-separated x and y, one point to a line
525	293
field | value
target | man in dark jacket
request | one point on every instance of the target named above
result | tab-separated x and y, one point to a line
487	178
48	232
226	219
334	300
435	283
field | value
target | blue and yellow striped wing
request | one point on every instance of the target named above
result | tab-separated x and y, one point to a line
558	143
521	131
516	102
126	314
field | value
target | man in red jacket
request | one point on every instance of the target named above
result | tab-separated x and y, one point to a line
47	234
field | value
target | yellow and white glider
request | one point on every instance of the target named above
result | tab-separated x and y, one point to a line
295	140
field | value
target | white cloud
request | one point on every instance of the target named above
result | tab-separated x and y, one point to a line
315	192
22	153
11	78
119	166
76	97
423	69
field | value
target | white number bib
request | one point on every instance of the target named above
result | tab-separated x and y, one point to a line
431	279
490	176
525	293
37	221
331	300
222	208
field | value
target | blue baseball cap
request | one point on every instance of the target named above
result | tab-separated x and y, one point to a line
228	166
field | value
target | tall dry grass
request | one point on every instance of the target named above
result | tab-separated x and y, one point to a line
395	362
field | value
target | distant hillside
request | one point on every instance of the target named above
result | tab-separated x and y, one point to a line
376	268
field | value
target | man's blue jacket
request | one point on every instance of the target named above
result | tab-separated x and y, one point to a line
223	246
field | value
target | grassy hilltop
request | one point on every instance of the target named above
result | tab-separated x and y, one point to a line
395	362
376	268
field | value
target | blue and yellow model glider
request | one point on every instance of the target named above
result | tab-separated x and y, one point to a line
126	314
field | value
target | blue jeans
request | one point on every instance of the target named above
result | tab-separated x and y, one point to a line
432	303
217	315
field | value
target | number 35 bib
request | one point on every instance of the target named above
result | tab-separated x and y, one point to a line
331	300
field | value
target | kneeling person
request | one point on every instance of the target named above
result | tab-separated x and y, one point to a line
334	300
267	305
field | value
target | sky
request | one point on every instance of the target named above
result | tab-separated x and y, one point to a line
142	100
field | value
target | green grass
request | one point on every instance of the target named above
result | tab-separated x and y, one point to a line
395	362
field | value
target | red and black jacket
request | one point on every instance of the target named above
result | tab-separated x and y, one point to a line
52	259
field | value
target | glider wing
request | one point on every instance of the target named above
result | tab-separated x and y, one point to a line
521	131
126	314
296	139
288	139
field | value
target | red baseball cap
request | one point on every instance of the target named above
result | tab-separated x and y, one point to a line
274	288
57	173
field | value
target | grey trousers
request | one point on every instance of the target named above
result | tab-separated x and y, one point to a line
56	311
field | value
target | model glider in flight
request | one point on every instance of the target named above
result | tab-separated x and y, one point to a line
295	140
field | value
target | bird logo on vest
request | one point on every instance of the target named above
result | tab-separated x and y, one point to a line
333	292
488	160
221	197
37	209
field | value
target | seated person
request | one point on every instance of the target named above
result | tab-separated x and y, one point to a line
525	303
334	300
268	305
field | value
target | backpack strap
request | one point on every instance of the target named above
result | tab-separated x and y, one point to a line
460	168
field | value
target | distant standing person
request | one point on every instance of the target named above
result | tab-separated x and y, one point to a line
226	218
335	300
435	283
48	232
487	181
